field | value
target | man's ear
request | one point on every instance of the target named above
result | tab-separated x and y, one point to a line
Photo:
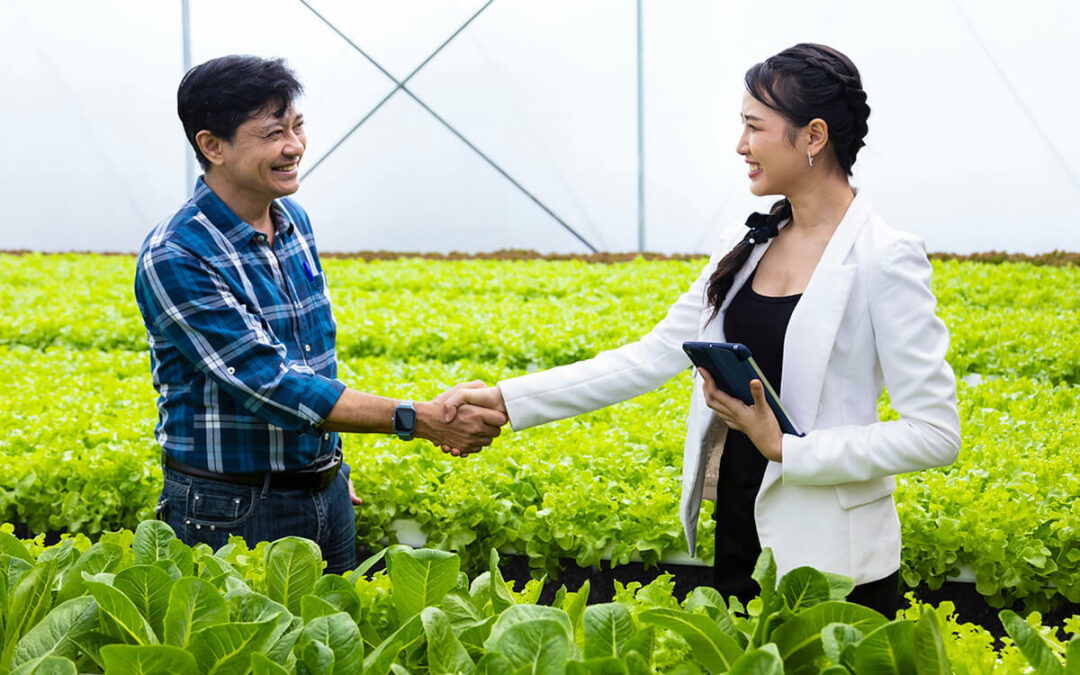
211	147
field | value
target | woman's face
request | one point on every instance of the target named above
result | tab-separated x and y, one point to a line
775	164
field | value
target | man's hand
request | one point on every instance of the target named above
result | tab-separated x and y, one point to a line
468	395
352	493
468	428
757	421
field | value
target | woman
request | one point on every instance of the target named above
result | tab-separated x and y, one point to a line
834	305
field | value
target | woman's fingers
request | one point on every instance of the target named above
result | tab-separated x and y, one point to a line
757	390
715	397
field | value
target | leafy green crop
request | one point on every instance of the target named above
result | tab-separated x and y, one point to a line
77	448
1005	320
144	602
1020	449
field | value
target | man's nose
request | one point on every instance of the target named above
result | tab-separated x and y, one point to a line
294	144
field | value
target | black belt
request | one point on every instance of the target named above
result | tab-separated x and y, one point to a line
315	476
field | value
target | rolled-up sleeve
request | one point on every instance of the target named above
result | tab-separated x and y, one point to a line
192	306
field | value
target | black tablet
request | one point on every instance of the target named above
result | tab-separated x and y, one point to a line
732	368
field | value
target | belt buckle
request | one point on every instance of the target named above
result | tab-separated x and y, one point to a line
326	478
326	473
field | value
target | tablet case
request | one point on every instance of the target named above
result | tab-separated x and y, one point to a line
732	367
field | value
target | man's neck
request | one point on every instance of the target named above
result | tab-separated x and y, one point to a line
252	209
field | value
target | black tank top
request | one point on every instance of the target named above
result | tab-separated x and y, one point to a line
759	322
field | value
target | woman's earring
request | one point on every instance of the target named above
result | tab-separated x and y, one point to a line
810	157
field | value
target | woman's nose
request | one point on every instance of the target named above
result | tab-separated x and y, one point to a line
742	147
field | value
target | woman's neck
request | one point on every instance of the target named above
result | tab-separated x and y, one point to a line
821	205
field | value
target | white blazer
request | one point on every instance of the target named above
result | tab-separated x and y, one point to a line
866	320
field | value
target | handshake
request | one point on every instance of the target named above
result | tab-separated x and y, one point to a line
464	419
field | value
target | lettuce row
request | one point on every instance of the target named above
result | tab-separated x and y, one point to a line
77	451
76	446
143	602
1004	320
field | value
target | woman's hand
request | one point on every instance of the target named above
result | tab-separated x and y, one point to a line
474	397
757	421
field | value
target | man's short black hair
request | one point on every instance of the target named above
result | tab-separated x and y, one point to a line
223	93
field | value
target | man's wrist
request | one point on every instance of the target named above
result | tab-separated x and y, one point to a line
428	416
405	420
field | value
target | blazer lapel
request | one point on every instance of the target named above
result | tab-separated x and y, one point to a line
816	319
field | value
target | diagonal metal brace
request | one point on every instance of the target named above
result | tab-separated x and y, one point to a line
400	86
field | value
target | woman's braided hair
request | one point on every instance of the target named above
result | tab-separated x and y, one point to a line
802	83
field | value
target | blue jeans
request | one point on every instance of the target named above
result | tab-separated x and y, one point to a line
207	511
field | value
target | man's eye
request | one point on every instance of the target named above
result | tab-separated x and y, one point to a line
274	134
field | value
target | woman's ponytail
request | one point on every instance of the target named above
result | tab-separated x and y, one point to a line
763	227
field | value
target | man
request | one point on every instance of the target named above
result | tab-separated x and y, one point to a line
242	335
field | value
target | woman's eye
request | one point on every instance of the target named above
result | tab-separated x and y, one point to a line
274	134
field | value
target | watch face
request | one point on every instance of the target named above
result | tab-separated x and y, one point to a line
406	419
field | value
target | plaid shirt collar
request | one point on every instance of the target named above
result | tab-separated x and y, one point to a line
236	230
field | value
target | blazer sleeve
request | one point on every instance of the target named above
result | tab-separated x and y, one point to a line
612	376
911	342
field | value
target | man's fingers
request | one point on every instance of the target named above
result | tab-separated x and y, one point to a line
352	494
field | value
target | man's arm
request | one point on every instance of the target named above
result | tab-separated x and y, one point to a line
190	304
469	428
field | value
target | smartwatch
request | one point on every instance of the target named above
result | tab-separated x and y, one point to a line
405	420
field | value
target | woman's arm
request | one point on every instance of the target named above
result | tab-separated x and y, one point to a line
612	376
911	342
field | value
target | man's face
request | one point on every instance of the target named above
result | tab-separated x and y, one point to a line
263	158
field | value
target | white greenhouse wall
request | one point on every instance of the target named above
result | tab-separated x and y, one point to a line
973	143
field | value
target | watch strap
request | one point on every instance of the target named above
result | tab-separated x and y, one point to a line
404	431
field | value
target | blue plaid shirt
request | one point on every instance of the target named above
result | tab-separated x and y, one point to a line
241	338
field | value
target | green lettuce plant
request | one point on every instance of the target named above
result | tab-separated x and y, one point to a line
143	602
77	448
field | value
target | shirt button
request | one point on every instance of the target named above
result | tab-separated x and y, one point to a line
307	348
230	370
326	437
